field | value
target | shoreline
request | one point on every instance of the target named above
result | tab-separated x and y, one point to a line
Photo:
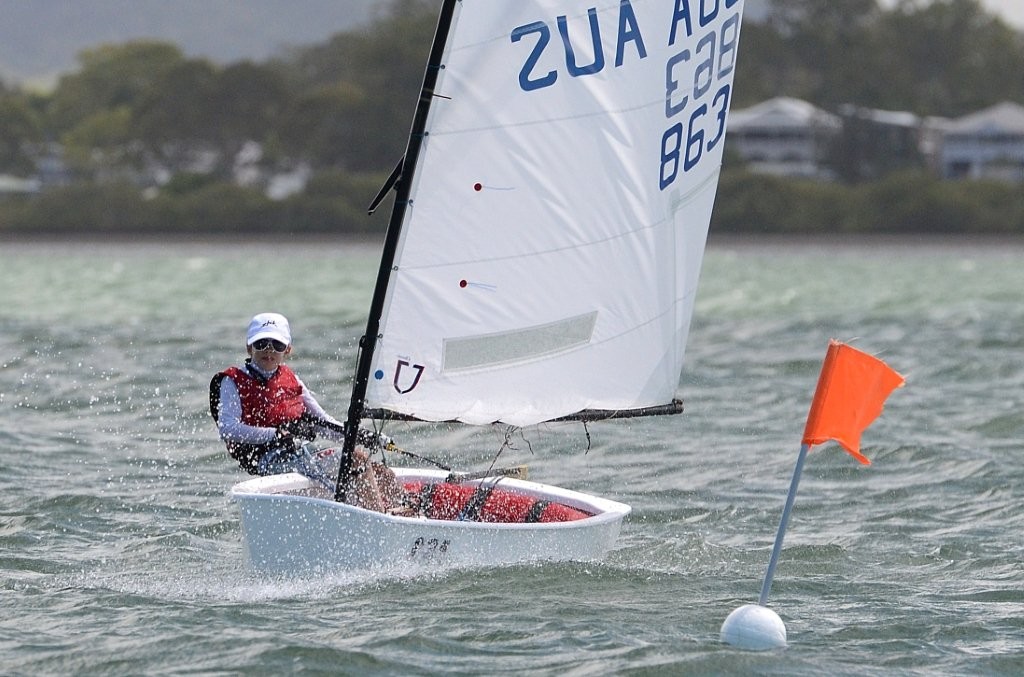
845	240
373	242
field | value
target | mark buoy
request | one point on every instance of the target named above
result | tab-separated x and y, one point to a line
754	627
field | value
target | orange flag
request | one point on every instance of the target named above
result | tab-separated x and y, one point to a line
851	390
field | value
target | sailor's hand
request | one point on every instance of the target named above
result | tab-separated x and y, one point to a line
284	438
373	440
302	429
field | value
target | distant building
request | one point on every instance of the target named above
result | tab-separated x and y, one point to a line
51	169
988	144
876	142
13	185
250	172
784	136
933	127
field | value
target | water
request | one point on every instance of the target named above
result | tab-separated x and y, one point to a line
121	554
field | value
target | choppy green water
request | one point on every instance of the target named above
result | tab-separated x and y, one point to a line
120	553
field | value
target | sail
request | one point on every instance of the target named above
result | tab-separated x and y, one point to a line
559	205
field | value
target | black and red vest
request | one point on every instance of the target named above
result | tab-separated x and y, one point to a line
266	403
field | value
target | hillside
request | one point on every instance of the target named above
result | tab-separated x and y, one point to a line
40	39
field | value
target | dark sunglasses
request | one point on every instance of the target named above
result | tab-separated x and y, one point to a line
264	343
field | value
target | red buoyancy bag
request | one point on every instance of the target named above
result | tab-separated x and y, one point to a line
486	503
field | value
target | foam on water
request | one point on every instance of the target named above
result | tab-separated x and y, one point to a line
121	552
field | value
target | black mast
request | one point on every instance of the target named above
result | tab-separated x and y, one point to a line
368	342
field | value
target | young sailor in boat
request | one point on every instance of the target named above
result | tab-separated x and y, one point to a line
261	408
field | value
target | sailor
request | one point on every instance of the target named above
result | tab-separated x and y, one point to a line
264	412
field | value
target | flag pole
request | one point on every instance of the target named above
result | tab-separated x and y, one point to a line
851	390
755	626
783	523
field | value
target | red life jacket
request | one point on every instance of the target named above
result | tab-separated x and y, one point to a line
265	403
269	403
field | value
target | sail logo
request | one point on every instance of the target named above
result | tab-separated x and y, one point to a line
407	376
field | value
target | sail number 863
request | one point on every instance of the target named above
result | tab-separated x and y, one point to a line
690	79
683	145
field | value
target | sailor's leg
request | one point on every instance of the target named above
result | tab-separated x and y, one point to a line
390	491
362	485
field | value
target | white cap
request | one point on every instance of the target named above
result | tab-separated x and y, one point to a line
269	325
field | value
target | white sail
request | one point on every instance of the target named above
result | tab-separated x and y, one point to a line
551	249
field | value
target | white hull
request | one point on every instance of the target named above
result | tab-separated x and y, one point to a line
291	527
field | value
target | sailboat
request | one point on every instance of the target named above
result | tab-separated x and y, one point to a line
541	264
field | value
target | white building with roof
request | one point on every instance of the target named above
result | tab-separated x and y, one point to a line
14	185
784	136
988	144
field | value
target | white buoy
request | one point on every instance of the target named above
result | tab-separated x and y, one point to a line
754	627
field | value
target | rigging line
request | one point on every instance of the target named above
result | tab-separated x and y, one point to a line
505	444
375	445
378	430
522	436
442	466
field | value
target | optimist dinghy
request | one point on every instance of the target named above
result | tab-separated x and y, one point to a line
292	525
540	264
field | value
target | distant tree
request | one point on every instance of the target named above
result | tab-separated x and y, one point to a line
391	59
248	104
765	64
948	58
20	128
945	57
172	117
319	125
195	108
830	56
361	88
103	144
110	76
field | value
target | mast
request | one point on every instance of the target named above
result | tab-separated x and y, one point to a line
368	342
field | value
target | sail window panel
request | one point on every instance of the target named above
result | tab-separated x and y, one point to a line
518	345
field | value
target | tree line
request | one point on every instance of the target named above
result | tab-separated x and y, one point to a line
342	108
